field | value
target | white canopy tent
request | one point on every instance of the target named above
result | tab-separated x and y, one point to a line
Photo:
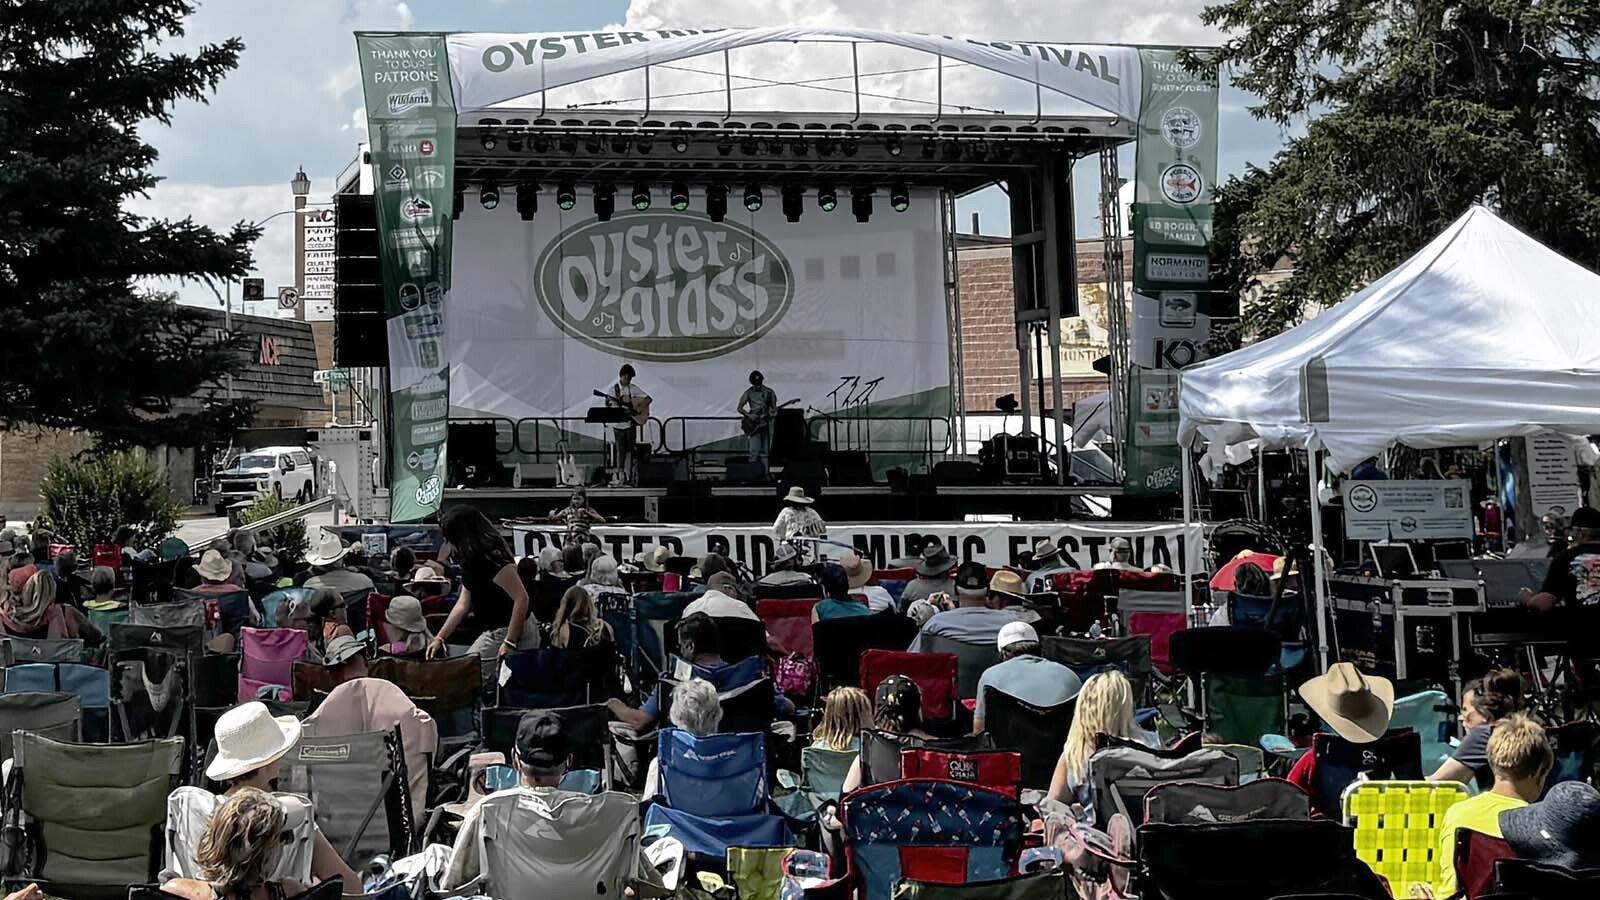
1484	333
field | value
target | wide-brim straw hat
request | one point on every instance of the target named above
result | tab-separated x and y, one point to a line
1357	707
249	737
214	566
797	494
1045	550
936	561
856	569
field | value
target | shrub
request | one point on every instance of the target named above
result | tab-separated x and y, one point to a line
289	540
86	499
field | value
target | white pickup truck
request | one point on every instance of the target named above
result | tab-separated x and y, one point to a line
269	471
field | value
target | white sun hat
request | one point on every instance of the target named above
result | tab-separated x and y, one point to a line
249	737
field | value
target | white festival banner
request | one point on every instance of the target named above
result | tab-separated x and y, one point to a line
1082	545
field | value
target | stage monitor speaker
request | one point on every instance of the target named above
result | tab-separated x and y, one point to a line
743	471
809	475
788	432
662	471
957	472
849	467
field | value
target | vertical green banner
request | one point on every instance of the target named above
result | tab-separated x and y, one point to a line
411	123
1175	171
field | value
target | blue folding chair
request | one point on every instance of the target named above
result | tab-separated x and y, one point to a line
713	793
1432	716
928	829
90	684
551	678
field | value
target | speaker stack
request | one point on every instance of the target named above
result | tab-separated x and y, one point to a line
360	329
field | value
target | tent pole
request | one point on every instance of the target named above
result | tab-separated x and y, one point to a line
1313	477
1186	483
1261	481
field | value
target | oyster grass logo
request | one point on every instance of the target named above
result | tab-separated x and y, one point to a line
430	490
664	286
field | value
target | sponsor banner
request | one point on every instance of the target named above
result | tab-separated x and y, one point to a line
489	69
1083	545
1174	332
837	314
411	117
1407	510
1152	458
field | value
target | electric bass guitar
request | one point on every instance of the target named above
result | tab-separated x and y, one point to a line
639	414
752	423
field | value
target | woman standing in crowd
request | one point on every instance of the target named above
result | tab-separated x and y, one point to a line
897	709
1105	706
845	714
576	623
1484	702
490	590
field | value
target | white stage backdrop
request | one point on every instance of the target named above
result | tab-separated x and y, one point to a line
544	312
1082	545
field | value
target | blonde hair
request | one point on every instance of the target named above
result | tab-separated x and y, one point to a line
577	607
845	714
1105	706
242	842
1518	748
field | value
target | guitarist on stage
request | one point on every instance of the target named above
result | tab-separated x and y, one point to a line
758	406
625	434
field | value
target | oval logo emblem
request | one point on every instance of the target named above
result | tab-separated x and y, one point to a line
664	286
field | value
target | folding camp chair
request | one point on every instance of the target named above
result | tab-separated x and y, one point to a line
359	786
542	679
740	638
311	682
176	613
654	613
972	660
934	673
757	873
1539	881
840	643
90	684
43	650
1037	732
267	657
1397	827
825	770
224	613
1252	760
371	704
1252	860
1475	856
1576	745
88	816
332	889
152	694
189	812
1035	886
788	624
1267	798
450	690
1241	696
1156	615
881	751
929	830
1337	763
585	726
1120	777
997	770
713	793
534	845
47	713
1088	656
1432	716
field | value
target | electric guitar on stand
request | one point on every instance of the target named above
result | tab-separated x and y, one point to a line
752	423
639	414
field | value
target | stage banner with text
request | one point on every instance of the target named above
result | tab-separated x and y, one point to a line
1175	172
844	318
1174	545
411	120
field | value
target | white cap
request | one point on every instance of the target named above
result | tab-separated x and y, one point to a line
1016	633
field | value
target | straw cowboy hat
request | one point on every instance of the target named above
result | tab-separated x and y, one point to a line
1007	583
1045	550
427	576
329	551
214	567
249	737
856	569
936	561
1357	707
797	494
654	562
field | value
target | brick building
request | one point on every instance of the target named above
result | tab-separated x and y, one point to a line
278	376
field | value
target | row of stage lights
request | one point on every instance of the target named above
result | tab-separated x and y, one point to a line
716	199
489	137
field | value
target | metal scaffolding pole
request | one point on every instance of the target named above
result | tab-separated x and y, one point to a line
953	288
1116	299
1057	209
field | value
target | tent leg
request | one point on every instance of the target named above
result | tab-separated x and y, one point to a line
1186	483
1313	476
1261	482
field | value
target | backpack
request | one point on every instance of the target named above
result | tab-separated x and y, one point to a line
796	675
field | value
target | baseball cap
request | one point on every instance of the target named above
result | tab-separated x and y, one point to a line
1016	633
1586	517
542	741
898	694
972	578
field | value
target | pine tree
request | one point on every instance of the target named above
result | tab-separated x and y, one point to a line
86	345
1413	110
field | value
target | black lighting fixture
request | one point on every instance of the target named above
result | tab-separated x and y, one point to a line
799	148
514	134
605	200
641	195
717	202
566	194
827	197
928	148
825	147
861	202
752	196
750	146
486	135
619	145
899	197
847	147
724	146
489	195
592	143
527	200
1006	403
568	145
775	147
644	144
679	197
892	144
459	203
793	202
680	143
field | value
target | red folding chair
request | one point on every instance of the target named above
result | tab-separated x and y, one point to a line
904	573
788	624
1160	627
377	609
997	770
1475	856
934	673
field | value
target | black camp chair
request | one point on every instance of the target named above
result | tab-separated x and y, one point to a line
1037	732
1236	678
552	678
880	751
840	644
1088	656
53	715
450	690
972	660
1254	860
585	727
1546	882
1337	763
746	708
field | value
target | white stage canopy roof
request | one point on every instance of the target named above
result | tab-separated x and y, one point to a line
1484	333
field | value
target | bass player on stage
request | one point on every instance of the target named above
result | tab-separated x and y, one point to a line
625	434
758	406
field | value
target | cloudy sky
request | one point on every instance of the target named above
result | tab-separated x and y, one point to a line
295	100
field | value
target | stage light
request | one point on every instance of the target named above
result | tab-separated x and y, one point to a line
724	147
899	197
566	194
619	145
514	134
486	135
680	144
459	204
643	144
775	147
799	148
568	145
605	201
527	200
928	147
641	195
824	147
489	195
892	144
793	202
827	197
847	147
752	196
750	146
680	196
592	143
861	203
717	202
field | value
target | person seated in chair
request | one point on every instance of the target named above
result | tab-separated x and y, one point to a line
1484	703
251	744
984	606
240	851
697	709
328	570
1024	674
578	623
1562	830
784	570
1521	758
1044	566
699	645
345	659
30	610
837	602
1121	557
859	571
408	629
933	574
897	709
216	575
1105	706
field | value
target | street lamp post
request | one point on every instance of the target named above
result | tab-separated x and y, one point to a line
301	186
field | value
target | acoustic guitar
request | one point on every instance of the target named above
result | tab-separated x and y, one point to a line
752	423
638	415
